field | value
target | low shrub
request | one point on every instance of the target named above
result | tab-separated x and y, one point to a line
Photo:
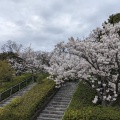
40	77
82	108
93	113
24	108
6	71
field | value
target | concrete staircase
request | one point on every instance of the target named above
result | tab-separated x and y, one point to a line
19	93
57	106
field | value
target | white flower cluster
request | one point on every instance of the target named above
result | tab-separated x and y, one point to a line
95	100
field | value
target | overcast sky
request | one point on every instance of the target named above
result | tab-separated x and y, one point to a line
44	23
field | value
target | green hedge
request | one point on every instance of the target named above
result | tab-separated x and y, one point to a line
14	81
81	107
40	77
23	108
93	113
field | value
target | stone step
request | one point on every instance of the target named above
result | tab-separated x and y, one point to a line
58	106
53	103
47	118
53	112
55	109
56	103
51	115
62	99
63	94
64	90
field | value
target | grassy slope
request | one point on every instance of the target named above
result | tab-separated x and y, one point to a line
14	81
81	107
82	97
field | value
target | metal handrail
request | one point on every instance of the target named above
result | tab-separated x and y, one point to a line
18	86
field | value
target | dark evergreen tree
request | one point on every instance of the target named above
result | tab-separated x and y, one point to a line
114	18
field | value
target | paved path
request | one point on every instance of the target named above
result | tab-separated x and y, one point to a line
59	103
19	93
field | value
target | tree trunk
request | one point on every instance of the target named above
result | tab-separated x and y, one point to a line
116	85
104	103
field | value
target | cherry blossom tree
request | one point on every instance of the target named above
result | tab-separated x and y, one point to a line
95	60
29	57
43	59
12	46
63	66
35	61
101	66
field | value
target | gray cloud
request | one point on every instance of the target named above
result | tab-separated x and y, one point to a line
45	23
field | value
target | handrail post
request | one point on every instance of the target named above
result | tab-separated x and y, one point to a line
32	79
19	86
0	96
26	82
11	91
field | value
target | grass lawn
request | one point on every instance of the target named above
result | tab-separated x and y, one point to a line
82	108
